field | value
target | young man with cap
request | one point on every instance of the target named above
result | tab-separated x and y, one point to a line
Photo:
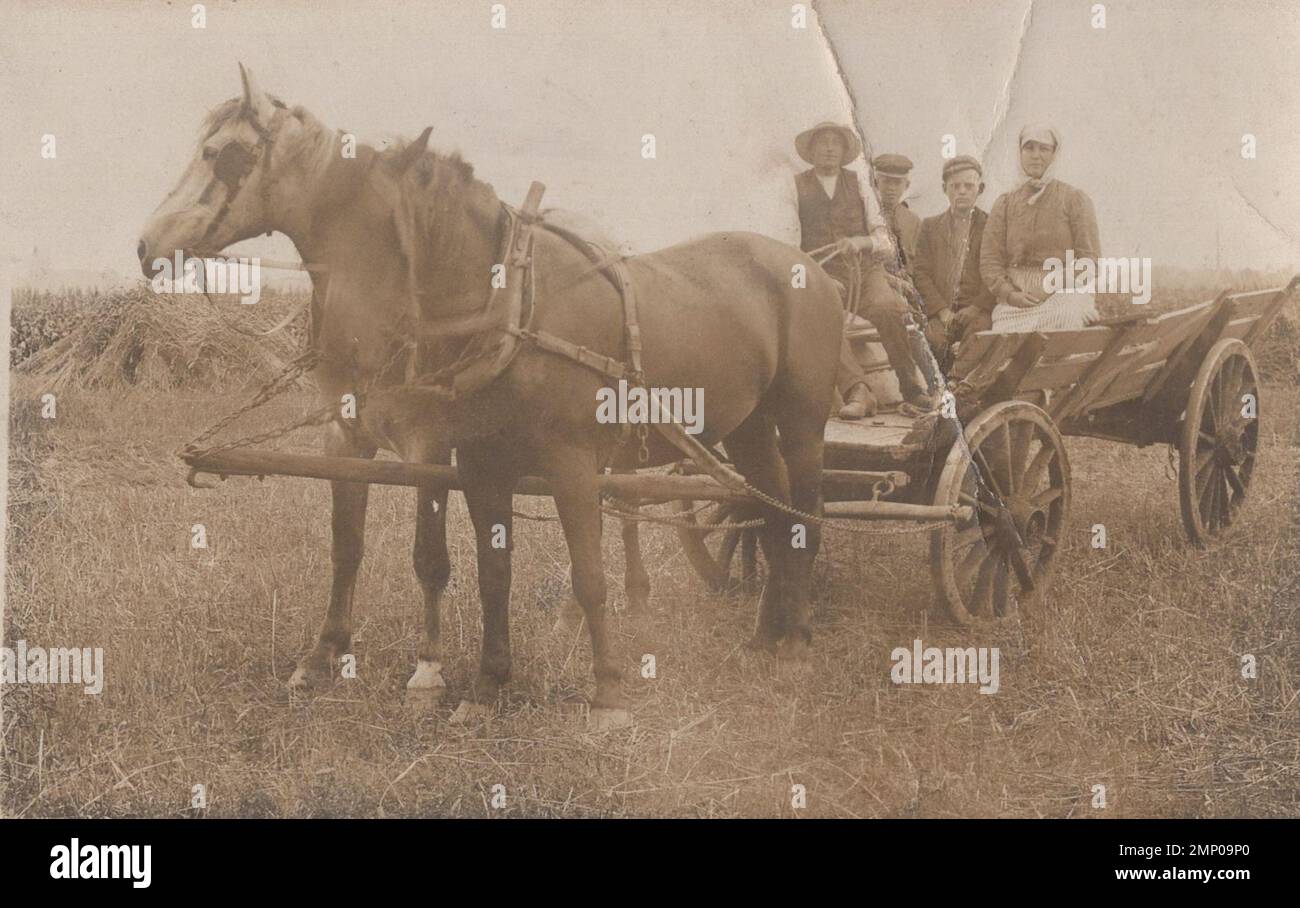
828	204
947	265
891	174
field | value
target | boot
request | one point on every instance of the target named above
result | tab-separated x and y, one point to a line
859	403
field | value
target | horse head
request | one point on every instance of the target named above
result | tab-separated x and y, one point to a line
245	177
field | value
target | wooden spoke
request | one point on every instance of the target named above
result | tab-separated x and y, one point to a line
1234	480
1007	446
979	597
1045	497
1001	589
710	547
1203	459
987	474
1205	492
974	558
1033	473
979	571
1022	436
969	536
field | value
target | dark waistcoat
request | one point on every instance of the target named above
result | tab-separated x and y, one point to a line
823	220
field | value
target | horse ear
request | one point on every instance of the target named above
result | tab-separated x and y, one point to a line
255	100
411	153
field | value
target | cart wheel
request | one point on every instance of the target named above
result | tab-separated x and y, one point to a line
1220	437
1012	469
711	549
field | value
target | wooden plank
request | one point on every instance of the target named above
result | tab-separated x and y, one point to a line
1021	362
1073	343
1271	312
1128	385
1086	386
1180	367
1054	376
973	351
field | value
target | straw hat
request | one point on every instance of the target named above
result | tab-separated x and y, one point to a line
803	141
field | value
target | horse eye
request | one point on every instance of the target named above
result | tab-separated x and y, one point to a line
209	153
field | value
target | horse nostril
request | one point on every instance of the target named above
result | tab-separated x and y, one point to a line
140	251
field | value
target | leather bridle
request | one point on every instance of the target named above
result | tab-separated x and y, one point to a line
233	165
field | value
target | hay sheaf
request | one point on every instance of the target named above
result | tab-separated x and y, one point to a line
135	337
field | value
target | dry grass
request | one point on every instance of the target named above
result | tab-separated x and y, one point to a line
1131	681
137	338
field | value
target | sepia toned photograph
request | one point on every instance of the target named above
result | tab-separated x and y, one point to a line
863	410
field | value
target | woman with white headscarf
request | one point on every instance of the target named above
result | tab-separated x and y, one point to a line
1040	221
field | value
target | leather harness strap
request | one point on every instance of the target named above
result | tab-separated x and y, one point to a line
471	372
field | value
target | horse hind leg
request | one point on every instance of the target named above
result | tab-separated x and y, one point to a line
348	528
752	447
802	443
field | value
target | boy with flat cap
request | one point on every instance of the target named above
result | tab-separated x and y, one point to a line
891	175
947	265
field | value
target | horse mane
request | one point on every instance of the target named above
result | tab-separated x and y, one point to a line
438	191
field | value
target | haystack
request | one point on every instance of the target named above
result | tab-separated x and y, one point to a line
136	337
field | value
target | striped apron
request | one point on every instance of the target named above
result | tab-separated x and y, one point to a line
1059	311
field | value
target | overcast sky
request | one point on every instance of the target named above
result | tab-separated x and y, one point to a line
1152	107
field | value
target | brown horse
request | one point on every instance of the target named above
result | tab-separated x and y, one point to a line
407	235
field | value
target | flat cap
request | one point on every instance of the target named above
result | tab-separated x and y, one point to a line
961	162
892	165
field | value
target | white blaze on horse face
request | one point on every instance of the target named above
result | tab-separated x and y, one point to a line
183	220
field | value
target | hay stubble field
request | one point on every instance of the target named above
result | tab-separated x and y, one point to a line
1130	679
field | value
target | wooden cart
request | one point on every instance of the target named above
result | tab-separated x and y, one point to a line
1185	378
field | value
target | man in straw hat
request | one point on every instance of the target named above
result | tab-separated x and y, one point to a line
833	207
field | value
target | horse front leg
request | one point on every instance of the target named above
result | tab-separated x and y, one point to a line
348	527
433	569
488	482
572	477
636	580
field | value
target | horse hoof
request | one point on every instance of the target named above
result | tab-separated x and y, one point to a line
424	699
605	718
305	678
469	713
761	643
570	621
795	651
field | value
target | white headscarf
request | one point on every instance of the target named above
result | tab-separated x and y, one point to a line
1048	135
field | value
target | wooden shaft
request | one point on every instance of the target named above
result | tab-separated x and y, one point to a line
239	462
894	510
645	487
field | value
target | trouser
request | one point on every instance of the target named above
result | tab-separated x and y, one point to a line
981	321
888	312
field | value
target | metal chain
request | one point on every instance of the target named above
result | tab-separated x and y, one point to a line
273	388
